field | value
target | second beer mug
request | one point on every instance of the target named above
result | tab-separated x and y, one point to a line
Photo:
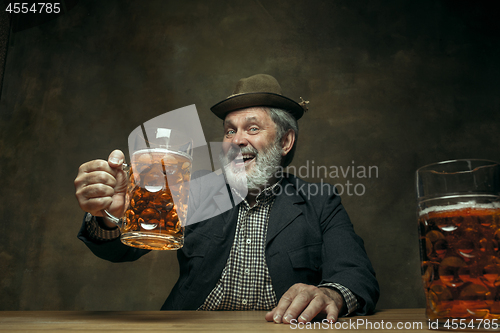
459	224
158	189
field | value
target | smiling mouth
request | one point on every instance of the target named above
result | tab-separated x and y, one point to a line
247	158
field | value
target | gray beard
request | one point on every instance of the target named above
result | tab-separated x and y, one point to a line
258	177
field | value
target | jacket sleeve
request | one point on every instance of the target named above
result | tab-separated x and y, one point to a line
113	250
344	257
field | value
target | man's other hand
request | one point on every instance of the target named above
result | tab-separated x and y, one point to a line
304	302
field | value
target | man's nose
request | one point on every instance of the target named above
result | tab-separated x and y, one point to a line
239	139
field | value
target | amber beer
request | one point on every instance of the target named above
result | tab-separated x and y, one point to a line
157	197
459	246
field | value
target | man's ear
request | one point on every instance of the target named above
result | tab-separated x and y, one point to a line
287	142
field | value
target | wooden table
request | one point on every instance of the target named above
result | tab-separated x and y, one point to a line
198	321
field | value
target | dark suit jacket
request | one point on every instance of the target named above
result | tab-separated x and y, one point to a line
310	240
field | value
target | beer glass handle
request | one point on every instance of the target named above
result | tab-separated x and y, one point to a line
112	218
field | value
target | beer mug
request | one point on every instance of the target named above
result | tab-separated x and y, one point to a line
459	230
158	189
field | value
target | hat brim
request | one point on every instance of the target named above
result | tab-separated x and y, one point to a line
247	100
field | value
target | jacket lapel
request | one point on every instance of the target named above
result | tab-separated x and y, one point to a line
284	210
224	203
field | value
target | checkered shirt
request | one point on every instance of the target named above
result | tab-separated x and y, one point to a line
245	283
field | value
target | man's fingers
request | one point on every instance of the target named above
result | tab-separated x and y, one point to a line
269	316
319	304
86	184
301	301
96	165
99	177
95	205
332	312
304	302
284	303
93	191
93	198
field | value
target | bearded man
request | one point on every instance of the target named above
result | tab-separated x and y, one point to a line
280	249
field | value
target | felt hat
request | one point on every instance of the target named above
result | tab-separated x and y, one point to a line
258	90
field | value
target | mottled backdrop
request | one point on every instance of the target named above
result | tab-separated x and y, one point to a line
392	84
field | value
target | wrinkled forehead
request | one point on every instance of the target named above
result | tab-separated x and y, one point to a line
254	114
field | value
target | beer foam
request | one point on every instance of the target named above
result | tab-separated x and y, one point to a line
163	151
459	206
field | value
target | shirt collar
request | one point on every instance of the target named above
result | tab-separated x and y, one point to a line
265	196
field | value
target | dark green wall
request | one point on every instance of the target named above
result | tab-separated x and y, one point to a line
392	84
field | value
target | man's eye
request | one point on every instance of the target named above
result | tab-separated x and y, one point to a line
254	129
230	132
